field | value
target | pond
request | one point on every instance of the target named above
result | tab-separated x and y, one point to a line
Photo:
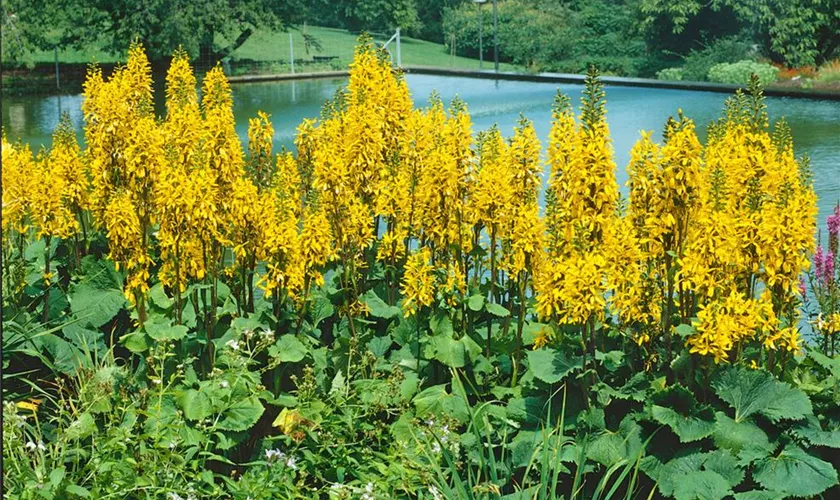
815	124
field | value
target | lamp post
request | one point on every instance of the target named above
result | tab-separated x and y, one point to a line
480	33
495	36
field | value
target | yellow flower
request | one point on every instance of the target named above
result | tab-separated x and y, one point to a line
418	288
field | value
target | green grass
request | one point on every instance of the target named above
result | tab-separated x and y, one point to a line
270	46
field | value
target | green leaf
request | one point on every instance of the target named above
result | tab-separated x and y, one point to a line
98	297
726	465
85	339
795	472
744	439
242	415
475	302
379	345
684	331
158	297
440	324
759	495
687	427
497	310
135	342
811	431
161	329
95	305
449	351
195	404
551	366
79	491
378	307
81	428
611	360
288	349
701	485
321	308
677	468
830	364
756	391
430	400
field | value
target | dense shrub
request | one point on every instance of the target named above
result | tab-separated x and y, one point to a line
739	73
670	74
697	63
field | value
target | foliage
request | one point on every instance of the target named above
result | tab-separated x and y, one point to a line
799	32
530	34
160	25
390	311
697	63
829	72
740	72
670	74
550	36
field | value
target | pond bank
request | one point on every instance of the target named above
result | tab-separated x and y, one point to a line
41	80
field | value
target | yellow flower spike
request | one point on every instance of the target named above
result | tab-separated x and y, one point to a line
418	288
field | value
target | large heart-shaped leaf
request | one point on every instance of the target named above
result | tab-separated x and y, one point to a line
195	404
795	472
378	308
288	349
242	415
687	427
701	485
551	366
744	439
756	391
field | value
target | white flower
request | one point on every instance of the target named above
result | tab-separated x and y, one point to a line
224	384
157	381
267	334
271	455
436	447
368	494
31	446
232	344
41	446
291	463
435	493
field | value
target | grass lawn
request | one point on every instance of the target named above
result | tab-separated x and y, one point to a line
267	47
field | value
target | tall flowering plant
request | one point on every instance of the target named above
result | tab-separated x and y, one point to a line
825	285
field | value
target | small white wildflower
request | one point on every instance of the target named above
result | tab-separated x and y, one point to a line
232	344
41	446
435	493
291	463
368	494
224	384
436	447
267	334
31	446
271	455
157	381
430	422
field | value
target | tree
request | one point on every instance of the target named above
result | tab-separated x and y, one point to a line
798	32
211	29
